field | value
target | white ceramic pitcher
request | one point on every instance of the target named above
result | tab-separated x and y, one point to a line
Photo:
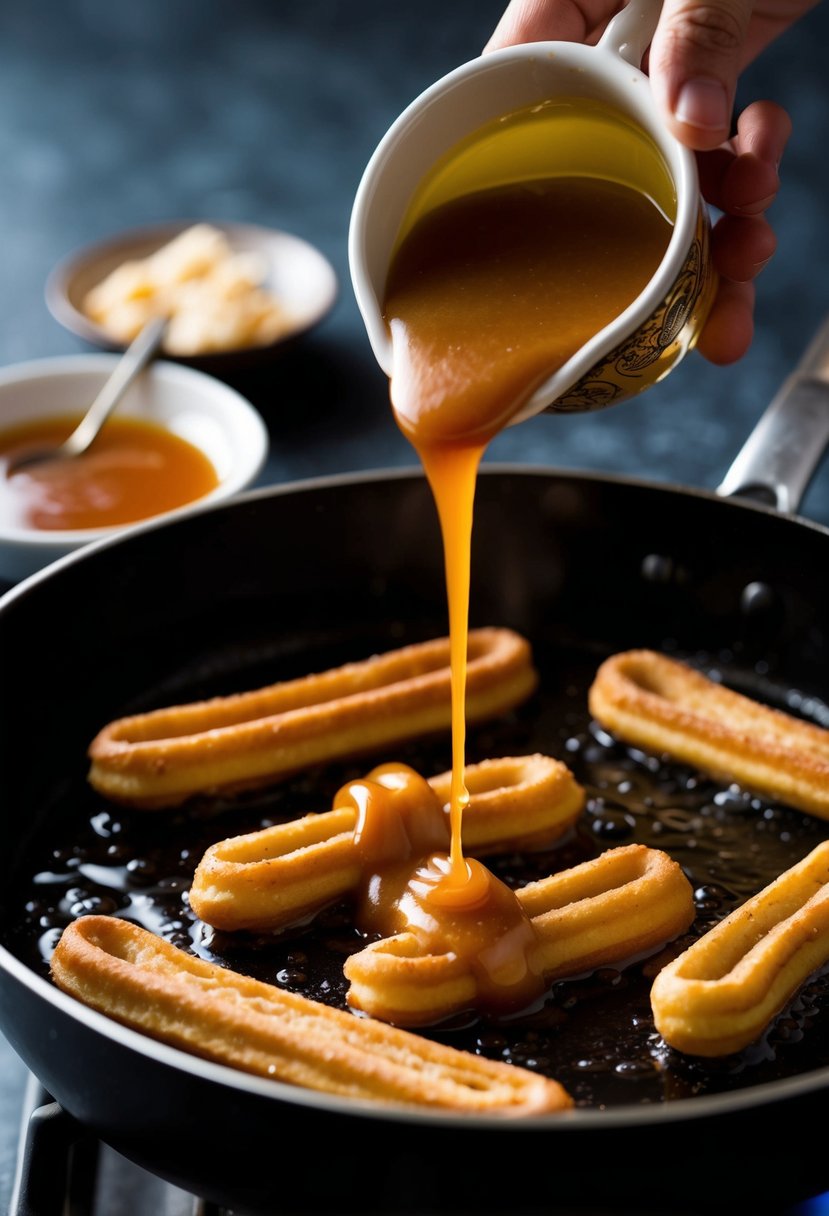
650	336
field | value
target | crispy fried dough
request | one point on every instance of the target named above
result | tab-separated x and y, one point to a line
144	982
161	758
663	705
627	902
721	993
269	879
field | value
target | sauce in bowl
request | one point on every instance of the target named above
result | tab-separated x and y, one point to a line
134	470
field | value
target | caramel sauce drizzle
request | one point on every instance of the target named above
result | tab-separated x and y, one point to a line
487	295
402	838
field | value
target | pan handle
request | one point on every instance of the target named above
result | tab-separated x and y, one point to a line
781	454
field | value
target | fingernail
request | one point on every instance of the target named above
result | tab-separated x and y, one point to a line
703	103
758	266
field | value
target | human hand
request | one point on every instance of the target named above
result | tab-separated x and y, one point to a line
694	61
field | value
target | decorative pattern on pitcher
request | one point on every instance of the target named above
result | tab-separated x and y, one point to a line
621	374
665	326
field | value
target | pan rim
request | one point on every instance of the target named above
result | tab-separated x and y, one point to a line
412	472
677	1110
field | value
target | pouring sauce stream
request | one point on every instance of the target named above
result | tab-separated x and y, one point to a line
487	295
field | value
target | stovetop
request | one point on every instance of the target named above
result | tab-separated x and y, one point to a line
60	1171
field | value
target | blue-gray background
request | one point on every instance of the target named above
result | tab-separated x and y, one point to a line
114	115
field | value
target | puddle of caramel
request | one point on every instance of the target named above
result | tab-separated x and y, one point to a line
134	470
487	295
402	839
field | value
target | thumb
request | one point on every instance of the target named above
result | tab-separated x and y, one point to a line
694	61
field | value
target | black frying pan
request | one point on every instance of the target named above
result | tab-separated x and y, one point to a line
285	581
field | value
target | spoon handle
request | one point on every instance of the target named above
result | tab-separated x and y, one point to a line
135	358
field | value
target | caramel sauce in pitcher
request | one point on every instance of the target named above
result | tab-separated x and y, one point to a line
487	295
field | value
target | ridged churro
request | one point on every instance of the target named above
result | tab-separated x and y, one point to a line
163	757
663	705
519	803
722	993
131	975
268	879
625	903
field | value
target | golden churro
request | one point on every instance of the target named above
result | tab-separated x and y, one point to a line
140	980
663	705
519	803
625	903
721	993
163	757
268	879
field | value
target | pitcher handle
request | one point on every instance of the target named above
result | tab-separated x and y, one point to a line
630	32
780	456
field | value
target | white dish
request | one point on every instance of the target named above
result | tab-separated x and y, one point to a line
297	273
190	403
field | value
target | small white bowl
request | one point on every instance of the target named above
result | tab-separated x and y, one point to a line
193	405
298	273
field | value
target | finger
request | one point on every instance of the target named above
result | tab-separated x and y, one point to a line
740	248
713	169
729	328
750	186
694	62
737	185
540	20
752	180
741	177
763	129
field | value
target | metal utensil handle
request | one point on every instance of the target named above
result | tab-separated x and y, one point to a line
134	360
780	456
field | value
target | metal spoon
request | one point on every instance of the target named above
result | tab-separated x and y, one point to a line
135	358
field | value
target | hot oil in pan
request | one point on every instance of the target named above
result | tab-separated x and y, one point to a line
594	1034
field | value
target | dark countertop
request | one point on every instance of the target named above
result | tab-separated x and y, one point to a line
114	116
